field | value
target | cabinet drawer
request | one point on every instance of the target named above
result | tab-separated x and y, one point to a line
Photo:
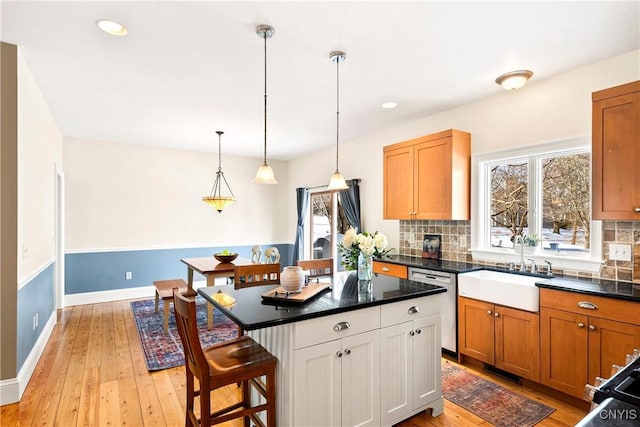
316	331
390	269
403	311
607	308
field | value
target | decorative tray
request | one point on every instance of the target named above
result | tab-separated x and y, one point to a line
308	292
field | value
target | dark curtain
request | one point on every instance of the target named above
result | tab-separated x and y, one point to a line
350	200
302	197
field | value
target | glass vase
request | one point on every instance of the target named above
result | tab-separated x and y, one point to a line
365	267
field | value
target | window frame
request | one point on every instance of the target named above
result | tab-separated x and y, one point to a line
481	248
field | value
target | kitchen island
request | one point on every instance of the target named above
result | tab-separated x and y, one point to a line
348	358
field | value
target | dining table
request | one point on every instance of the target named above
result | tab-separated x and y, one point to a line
211	268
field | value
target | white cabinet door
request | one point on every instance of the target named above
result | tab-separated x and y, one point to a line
427	370
317	388
396	383
361	379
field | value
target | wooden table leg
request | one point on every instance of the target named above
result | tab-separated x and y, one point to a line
211	281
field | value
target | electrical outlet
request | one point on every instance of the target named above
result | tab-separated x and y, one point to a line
128	275
620	252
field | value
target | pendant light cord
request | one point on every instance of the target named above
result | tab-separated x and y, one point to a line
337	107
265	97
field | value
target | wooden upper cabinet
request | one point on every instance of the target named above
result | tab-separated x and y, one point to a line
616	152
428	177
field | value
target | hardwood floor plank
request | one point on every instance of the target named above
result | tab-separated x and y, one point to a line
93	372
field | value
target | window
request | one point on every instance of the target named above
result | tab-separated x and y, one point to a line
543	195
324	236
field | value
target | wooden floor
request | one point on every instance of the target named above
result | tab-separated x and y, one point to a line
93	373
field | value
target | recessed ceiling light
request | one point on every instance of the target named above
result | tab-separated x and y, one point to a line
514	79
389	105
112	27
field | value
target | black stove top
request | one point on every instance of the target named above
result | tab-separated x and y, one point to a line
625	385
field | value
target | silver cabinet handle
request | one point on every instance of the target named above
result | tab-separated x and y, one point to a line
385	268
637	209
489	312
339	353
592	328
341	326
497	314
413	310
580	325
347	351
587	305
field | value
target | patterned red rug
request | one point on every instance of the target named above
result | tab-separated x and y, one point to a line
163	351
490	401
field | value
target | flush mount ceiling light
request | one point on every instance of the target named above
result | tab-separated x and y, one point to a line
265	173
216	199
112	27
337	181
514	79
389	105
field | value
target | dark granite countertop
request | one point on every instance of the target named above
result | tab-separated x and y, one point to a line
602	287
252	312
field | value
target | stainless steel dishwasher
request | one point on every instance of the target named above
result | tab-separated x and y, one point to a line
449	313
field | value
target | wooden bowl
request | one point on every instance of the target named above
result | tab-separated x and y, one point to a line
225	258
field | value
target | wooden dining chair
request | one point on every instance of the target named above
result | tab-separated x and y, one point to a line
317	267
256	275
239	360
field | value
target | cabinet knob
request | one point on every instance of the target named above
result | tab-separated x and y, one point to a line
347	351
592	328
413	310
637	209
385	268
339	353
411	333
496	314
580	325
489	312
418	331
341	326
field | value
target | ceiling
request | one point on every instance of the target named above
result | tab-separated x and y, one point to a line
187	69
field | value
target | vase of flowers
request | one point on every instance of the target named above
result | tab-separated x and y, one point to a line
358	250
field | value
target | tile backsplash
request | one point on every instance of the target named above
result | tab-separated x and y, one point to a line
456	240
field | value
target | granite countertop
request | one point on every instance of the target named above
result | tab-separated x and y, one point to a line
601	287
251	312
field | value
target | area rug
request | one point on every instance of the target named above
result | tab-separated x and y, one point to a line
490	401
163	351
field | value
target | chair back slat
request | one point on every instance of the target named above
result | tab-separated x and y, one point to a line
256	275
317	267
185	313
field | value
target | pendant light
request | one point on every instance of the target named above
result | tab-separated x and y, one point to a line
216	199
337	181
265	173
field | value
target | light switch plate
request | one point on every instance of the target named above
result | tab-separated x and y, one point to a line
619	252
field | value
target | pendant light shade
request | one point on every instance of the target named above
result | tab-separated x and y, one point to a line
337	182
216	198
265	173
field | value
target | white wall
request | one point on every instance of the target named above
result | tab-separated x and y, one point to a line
39	149
547	110
123	196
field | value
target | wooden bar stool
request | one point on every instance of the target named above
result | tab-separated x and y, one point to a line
164	290
239	360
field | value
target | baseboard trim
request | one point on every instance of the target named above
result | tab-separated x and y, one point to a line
115	295
11	390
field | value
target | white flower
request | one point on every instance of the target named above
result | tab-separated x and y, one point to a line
366	244
349	238
380	241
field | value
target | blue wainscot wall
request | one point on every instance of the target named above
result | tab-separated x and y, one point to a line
35	297
105	271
